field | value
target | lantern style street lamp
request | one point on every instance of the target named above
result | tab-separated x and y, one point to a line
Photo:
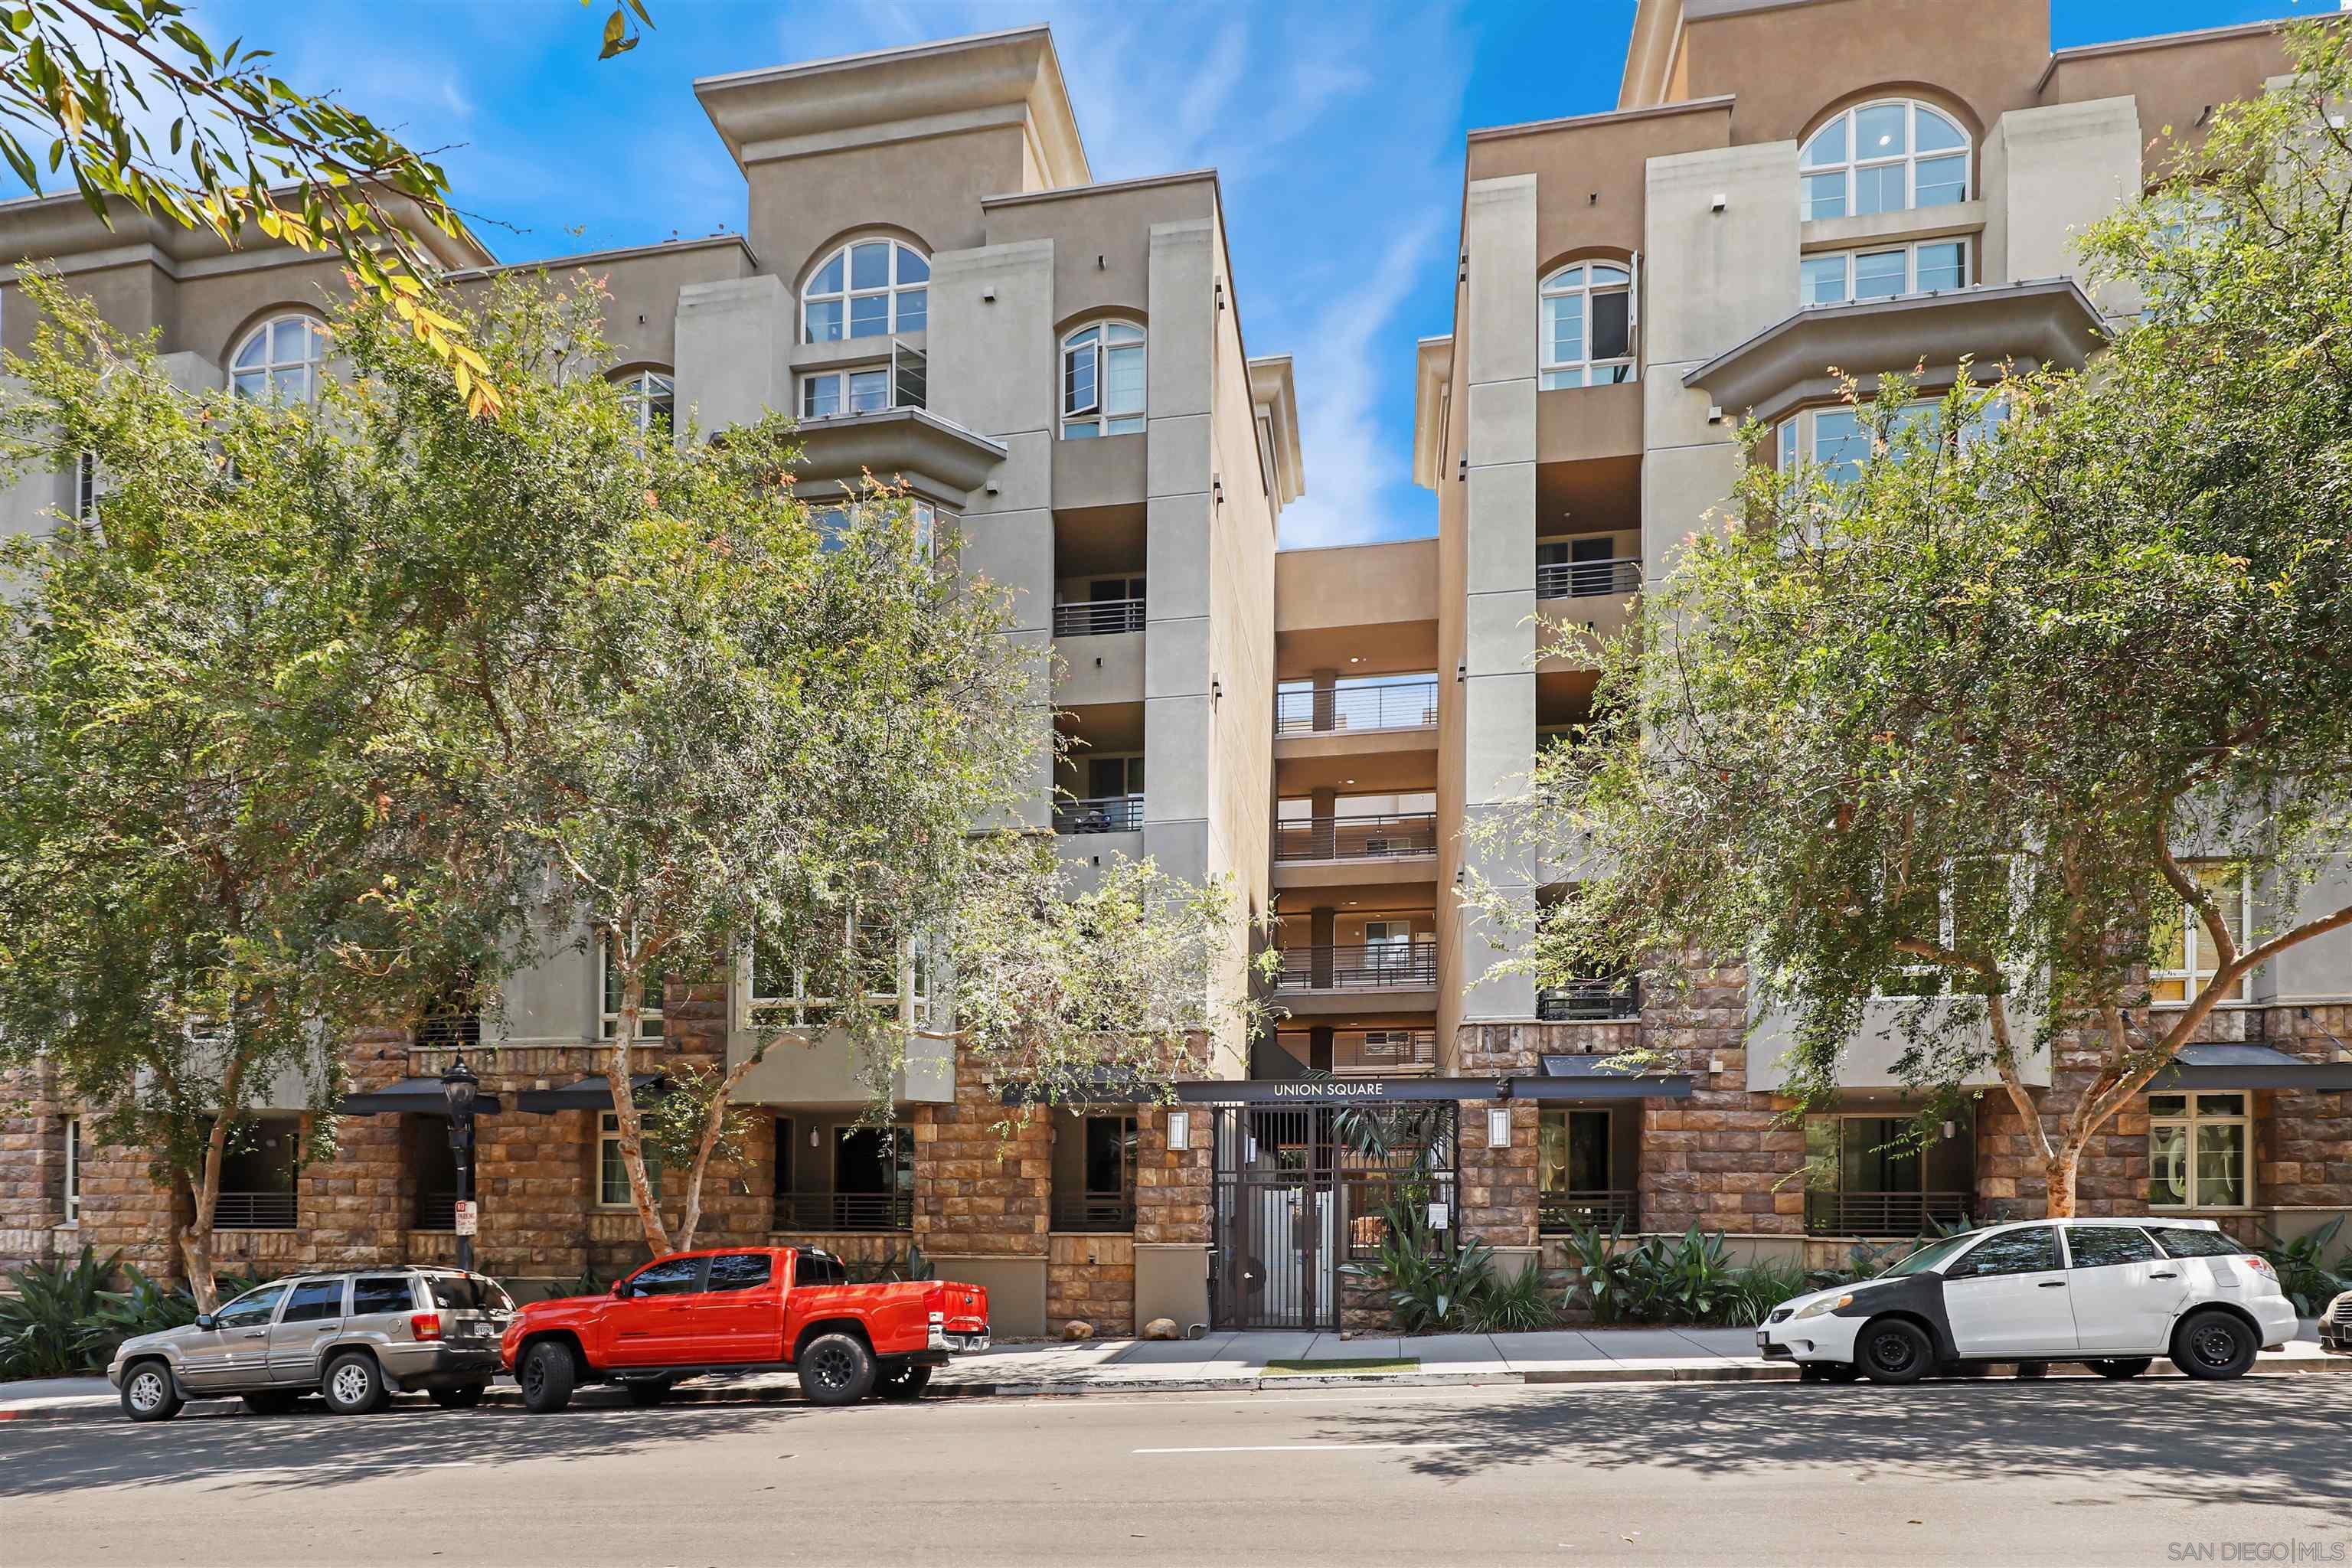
459	1087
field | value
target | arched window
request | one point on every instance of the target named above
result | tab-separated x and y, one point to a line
1882	158
1588	325
1102	380
867	289
649	396
279	361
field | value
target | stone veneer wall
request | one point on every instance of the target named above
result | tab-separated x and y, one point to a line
32	1170
1091	1279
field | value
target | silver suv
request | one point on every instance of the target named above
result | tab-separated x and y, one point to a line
357	1336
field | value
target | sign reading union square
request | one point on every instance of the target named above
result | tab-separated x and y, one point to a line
1336	1090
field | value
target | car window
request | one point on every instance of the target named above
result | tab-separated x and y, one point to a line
678	1276
381	1293
251	1309
469	1293
2027	1251
2180	1241
818	1268
314	1302
1931	1255
740	1271
2104	1246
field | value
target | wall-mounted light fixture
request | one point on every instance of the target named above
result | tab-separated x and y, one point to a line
1498	1129
1180	1130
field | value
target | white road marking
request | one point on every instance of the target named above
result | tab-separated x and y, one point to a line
1295	1448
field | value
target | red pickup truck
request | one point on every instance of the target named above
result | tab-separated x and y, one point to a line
738	1309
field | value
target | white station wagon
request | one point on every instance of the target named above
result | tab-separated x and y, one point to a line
2114	1294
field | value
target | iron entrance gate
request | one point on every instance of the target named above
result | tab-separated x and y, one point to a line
1301	1191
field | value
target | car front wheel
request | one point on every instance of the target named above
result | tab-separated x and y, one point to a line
354	1384
2129	1366
148	1394
837	1369
2214	1344
1893	1350
547	1377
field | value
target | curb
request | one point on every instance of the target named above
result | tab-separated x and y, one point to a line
601	1398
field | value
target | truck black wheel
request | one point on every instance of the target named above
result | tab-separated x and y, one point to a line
902	1380
1893	1350
2214	1344
271	1401
837	1369
648	1393
547	1378
2130	1366
458	1397
148	1394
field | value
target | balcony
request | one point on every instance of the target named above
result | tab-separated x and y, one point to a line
844	1211
1095	1212
1368	838
1104	813
1405	705
1380	1052
1589	579
1099	618
1360	966
1599	1000
1557	1212
254	1211
1884	1214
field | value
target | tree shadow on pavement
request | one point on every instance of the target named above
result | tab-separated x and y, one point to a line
2264	1442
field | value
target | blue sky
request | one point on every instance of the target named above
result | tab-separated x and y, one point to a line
1336	128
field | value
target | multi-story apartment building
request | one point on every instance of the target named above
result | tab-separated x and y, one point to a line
934	284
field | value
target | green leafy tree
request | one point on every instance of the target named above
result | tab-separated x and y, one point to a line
1960	745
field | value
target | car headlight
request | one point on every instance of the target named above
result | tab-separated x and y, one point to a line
1825	1305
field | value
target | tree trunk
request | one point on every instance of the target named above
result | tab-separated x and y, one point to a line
619	1072
196	1241
2058	1174
196	1250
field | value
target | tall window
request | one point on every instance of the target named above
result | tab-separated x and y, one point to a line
867	289
650	396
649	1013
1838	440
826	393
85	494
612	1175
1882	158
1102	380
280	360
778	994
1588	325
1573	1155
1842	276
2199	1146
2182	961
73	1170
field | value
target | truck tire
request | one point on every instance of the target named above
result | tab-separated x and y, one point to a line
2214	1344
902	1381
354	1384
547	1376
653	1391
148	1394
837	1369
459	1395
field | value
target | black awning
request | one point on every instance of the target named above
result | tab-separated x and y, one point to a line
589	1094
1595	1079
1335	1091
2229	1065
409	1096
1104	1086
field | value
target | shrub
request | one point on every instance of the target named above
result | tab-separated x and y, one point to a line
2305	1279
1516	1305
50	1327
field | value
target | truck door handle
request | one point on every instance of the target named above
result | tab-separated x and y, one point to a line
2053	1285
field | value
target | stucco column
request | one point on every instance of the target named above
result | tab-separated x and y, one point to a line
1322	808
1327	698
1320	922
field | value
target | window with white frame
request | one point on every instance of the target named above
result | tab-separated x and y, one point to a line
1967	912
779	994
650	396
1588	315
1840	277
649	1013
280	361
2182	960
1889	156
1837	440
2199	1152
826	393
85	494
612	1174
867	289
833	524
1102	380
73	1170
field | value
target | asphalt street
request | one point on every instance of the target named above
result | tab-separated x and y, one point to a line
1975	1472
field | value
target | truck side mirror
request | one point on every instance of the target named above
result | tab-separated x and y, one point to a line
619	1290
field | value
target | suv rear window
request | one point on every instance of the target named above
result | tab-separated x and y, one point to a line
469	1293
2178	1241
381	1293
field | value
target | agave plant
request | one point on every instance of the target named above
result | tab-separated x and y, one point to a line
1512	1305
49	1327
1429	1289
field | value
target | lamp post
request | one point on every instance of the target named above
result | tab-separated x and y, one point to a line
459	1086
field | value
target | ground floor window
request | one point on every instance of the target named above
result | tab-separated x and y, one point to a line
1871	1174
2199	1150
257	1176
1094	1172
612	1174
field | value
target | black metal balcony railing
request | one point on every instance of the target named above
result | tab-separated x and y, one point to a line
436	1211
1104	813
1596	1001
1589	579
1557	1212
1100	618
1367	837
1384	1050
1358	966
844	1211
254	1211
1094	1211
1883	1214
1404	705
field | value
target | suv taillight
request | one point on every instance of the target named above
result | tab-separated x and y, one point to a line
424	1325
